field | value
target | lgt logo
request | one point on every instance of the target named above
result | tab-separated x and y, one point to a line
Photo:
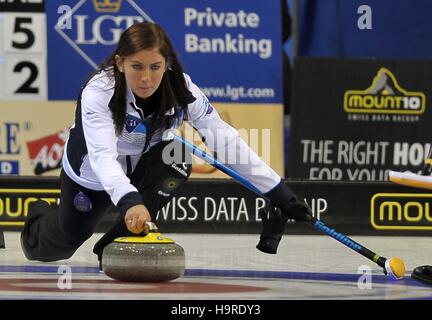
98	22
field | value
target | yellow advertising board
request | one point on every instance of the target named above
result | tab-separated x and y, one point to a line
32	136
33	133
260	125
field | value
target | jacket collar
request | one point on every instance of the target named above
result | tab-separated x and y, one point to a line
130	98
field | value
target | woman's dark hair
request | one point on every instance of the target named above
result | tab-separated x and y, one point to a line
172	91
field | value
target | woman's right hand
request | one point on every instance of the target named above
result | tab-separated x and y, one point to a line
136	217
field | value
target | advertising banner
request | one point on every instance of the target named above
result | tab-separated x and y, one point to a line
224	206
260	125
32	136
231	49
354	120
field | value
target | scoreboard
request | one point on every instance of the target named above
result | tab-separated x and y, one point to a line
231	49
23	64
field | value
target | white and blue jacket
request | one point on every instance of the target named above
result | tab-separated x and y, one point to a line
97	158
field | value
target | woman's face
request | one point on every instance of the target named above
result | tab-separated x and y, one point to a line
143	71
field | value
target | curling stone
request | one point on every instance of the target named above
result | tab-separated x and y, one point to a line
149	258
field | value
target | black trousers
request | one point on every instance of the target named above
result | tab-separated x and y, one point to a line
52	234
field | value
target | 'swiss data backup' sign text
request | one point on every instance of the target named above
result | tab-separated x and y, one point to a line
230	49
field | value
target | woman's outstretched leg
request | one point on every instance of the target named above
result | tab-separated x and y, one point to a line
52	234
